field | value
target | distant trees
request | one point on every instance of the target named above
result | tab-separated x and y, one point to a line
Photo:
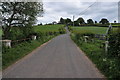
115	21
62	21
68	21
65	21
22	14
81	20
104	21
95	22
40	24
90	21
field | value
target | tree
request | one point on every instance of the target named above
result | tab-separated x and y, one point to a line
19	14
90	21
104	21
68	21
54	22
81	21
62	21
95	22
76	23
40	24
115	21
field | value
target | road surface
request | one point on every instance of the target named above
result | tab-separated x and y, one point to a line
59	58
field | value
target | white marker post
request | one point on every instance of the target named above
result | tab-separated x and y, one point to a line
7	43
86	37
34	37
106	46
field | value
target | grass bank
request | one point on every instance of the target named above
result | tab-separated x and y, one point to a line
109	66
19	50
11	55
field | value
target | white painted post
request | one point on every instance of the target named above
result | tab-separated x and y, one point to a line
106	46
34	37
7	43
85	37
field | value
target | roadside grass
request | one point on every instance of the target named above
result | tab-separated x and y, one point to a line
109	66
95	30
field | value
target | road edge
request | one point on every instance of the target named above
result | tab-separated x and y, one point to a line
26	56
80	50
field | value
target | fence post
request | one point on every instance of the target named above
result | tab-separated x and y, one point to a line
106	46
34	37
7	43
85	37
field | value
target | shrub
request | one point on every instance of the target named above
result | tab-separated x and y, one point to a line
17	33
114	43
78	35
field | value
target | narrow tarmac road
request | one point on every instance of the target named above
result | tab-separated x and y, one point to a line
59	58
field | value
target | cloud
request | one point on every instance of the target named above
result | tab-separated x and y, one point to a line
55	10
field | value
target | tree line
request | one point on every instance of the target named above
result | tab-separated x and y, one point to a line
81	21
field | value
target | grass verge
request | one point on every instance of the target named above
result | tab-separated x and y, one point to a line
11	55
109	66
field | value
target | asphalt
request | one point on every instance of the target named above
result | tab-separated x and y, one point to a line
59	58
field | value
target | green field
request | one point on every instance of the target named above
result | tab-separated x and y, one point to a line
96	30
47	28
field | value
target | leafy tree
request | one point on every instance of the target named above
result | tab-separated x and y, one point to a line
104	21
68	21
80	20
95	21
62	21
40	24
115	21
19	14
90	21
76	23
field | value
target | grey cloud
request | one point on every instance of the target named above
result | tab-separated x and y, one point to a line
55	10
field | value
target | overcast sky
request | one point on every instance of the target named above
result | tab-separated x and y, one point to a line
53	11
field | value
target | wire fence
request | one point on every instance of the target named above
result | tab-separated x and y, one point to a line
15	42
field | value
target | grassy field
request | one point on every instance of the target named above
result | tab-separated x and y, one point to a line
47	28
96	30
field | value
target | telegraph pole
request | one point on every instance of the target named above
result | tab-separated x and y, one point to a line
118	13
73	20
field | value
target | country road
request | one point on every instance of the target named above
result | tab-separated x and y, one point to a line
59	58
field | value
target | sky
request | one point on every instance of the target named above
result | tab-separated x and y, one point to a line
53	11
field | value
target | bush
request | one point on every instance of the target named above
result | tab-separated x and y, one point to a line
61	30
114	43
80	35
17	33
109	66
